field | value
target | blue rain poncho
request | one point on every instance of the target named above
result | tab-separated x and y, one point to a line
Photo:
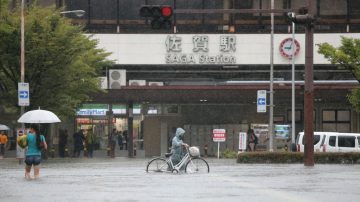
176	148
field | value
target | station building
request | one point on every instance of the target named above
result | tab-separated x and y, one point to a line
205	71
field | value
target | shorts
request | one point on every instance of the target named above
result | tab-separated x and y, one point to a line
32	160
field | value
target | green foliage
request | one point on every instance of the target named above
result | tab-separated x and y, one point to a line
297	157
62	64
346	56
228	154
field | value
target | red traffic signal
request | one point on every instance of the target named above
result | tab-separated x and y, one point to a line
156	11
160	15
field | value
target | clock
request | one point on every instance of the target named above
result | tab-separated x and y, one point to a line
287	46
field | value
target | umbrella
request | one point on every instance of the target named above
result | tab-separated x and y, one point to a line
39	116
4	127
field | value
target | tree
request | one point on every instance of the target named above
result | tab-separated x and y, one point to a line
346	56
62	64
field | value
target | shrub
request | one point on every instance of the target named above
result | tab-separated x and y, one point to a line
297	157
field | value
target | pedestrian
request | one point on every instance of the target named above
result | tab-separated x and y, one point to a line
36	143
90	142
3	142
112	142
79	139
253	140
125	139
63	135
120	140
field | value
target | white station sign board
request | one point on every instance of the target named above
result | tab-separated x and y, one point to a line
219	135
23	94
261	101
242	141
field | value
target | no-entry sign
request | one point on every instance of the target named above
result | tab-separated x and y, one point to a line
219	135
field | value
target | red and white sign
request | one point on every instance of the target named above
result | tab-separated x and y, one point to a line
219	135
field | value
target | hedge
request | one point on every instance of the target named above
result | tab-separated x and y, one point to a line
297	157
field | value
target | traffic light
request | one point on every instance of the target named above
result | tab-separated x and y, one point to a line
302	19
160	15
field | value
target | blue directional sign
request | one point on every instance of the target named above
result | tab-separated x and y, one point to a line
261	101
23	94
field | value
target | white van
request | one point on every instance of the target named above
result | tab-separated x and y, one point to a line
331	142
341	142
318	139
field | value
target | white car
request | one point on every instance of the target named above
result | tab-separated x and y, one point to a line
331	142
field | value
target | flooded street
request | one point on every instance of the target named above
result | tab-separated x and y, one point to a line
123	179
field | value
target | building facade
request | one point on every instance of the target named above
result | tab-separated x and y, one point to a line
205	71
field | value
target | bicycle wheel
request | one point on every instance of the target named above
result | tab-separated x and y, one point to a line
197	165
157	165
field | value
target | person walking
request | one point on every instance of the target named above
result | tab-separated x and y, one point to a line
63	135
125	139
36	143
120	140
112	142
90	141
79	139
3	142
253	140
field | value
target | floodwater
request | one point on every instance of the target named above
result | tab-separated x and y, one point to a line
124	179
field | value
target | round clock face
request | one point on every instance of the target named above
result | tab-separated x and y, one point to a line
287	47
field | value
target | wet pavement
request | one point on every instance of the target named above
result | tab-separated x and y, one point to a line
124	179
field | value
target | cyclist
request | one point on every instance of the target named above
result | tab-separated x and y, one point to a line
176	148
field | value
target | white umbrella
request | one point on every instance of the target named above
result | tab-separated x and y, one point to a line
39	116
4	127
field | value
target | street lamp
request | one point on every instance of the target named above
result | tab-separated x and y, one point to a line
78	13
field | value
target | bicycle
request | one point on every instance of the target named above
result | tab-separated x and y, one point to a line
192	161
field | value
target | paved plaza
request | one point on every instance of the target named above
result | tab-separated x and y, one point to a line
124	179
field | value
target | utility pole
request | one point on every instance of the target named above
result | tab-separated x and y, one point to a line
309	85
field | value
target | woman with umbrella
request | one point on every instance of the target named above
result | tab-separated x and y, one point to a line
36	142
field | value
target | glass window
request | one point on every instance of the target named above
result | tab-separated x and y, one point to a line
343	115
343	127
329	127
315	140
346	141
329	115
297	115
154	109
332	141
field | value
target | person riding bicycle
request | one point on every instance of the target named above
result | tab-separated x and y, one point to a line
177	144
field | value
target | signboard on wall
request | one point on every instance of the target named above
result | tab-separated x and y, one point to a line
242	141
219	135
92	110
282	131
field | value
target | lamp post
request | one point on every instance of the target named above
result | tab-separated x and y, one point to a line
293	82
271	110
78	13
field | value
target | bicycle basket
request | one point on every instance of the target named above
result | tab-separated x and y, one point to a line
194	151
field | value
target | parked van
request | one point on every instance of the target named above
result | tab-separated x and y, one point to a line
341	142
331	142
318	139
